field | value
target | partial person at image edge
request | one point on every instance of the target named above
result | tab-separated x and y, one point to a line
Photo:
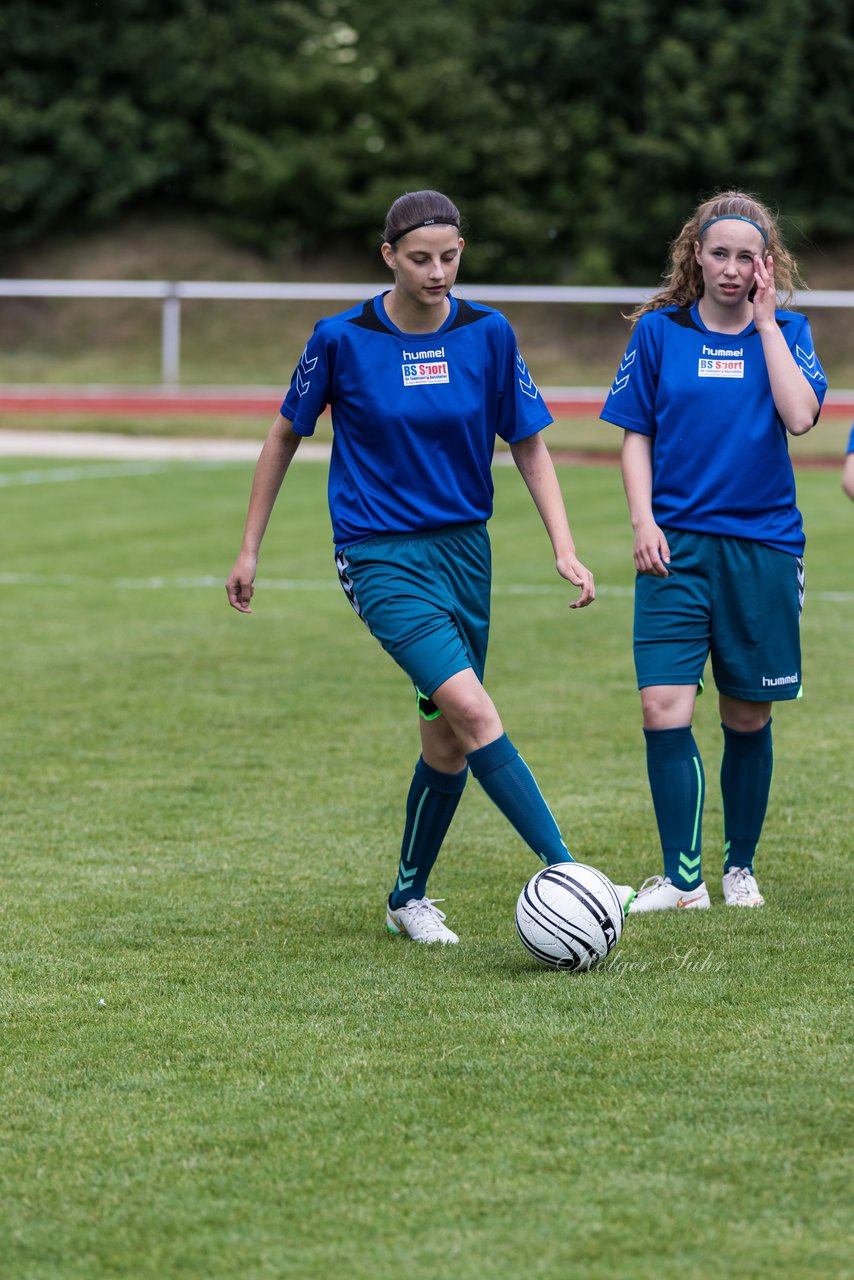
848	467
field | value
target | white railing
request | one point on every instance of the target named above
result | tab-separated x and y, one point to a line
172	292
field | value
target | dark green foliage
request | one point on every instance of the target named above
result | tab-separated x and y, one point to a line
575	136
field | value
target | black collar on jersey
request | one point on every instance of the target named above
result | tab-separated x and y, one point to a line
682	316
368	319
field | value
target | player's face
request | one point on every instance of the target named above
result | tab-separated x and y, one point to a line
425	264
725	255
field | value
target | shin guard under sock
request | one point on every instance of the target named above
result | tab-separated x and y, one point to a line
677	783
511	786
746	769
430	806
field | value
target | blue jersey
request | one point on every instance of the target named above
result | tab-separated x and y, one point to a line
720	456
850	448
414	416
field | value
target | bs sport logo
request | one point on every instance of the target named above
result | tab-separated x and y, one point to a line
421	367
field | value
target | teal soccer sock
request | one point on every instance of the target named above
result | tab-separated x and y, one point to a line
678	787
430	806
511	786
746	769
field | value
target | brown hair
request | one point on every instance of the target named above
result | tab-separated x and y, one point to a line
683	281
418	209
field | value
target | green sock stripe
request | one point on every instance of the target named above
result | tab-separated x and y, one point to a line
424	794
698	814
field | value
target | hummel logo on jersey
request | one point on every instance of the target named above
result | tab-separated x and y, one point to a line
526	382
624	371
305	366
808	363
437	353
728	352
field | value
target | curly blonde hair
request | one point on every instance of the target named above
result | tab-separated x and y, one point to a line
683	281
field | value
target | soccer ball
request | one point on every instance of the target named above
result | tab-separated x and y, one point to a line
569	916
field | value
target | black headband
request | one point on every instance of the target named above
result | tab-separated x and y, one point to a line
428	222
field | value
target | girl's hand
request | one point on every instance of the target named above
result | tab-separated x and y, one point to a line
574	571
240	587
765	296
652	554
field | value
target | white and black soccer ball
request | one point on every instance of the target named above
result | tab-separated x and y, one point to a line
569	916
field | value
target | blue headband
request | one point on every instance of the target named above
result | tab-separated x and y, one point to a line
738	218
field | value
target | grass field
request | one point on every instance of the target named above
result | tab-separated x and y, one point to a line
214	1062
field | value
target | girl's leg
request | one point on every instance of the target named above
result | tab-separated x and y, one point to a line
434	793
471	715
746	770
677	783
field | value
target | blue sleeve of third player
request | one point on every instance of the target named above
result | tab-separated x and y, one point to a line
631	400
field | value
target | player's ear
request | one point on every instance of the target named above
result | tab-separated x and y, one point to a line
388	255
696	250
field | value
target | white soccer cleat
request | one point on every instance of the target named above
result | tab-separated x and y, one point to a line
740	889
659	893
421	920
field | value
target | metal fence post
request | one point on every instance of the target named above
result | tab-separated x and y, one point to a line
170	344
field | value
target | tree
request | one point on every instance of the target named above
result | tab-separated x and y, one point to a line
574	135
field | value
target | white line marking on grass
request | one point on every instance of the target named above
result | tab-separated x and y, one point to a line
530	589
58	475
82	444
208	582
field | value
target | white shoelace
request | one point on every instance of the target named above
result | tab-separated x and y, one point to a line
651	882
743	882
428	914
426	906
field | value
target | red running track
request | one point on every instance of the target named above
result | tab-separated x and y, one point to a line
563	403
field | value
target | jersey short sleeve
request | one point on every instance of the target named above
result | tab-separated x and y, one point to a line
800	342
631	401
310	390
522	411
850	448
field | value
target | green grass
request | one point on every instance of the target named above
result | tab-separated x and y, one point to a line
200	818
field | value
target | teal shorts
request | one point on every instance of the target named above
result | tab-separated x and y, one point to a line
732	598
426	598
